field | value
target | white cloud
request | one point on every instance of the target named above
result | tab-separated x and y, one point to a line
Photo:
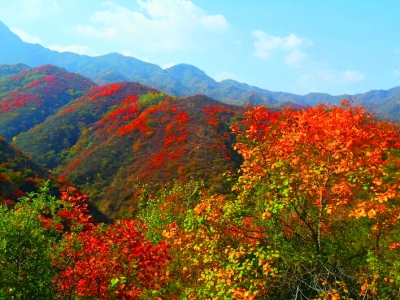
350	77
130	54
168	65
214	22
331	77
266	45
26	37
158	25
127	53
91	31
35	9
85	50
295	58
225	75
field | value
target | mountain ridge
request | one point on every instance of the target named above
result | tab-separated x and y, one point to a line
182	79
117	135
27	98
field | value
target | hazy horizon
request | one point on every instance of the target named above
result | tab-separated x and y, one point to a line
333	47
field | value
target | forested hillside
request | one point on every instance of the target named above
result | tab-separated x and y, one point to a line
18	174
28	97
119	134
201	199
313	210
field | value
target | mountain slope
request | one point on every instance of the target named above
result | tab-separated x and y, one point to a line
169	140
18	174
30	96
49	142
117	135
6	70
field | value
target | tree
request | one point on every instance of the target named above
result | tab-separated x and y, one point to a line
111	262
26	245
315	215
322	185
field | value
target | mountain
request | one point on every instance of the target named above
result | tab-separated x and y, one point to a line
12	69
34	55
107	139
180	139
49	142
18	174
98	136
180	80
27	98
118	135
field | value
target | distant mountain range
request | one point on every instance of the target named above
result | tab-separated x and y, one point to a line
181	79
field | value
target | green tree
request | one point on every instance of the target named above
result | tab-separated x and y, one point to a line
26	243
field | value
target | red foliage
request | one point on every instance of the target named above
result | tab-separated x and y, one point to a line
249	232
80	212
17	99
127	111
106	91
215	114
10	204
97	256
20	75
181	118
47	79
66	215
74	164
175	135
46	222
75	213
67	110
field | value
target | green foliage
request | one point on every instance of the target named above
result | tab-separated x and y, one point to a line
18	173
25	248
7	70
151	98
163	205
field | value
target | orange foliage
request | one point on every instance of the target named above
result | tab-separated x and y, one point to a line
333	158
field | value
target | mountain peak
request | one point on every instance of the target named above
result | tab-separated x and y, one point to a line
7	36
186	68
12	69
188	71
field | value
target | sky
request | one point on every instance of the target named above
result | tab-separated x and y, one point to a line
297	46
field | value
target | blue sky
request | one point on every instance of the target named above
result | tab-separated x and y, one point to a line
293	46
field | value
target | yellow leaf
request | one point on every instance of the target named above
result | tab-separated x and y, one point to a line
372	213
